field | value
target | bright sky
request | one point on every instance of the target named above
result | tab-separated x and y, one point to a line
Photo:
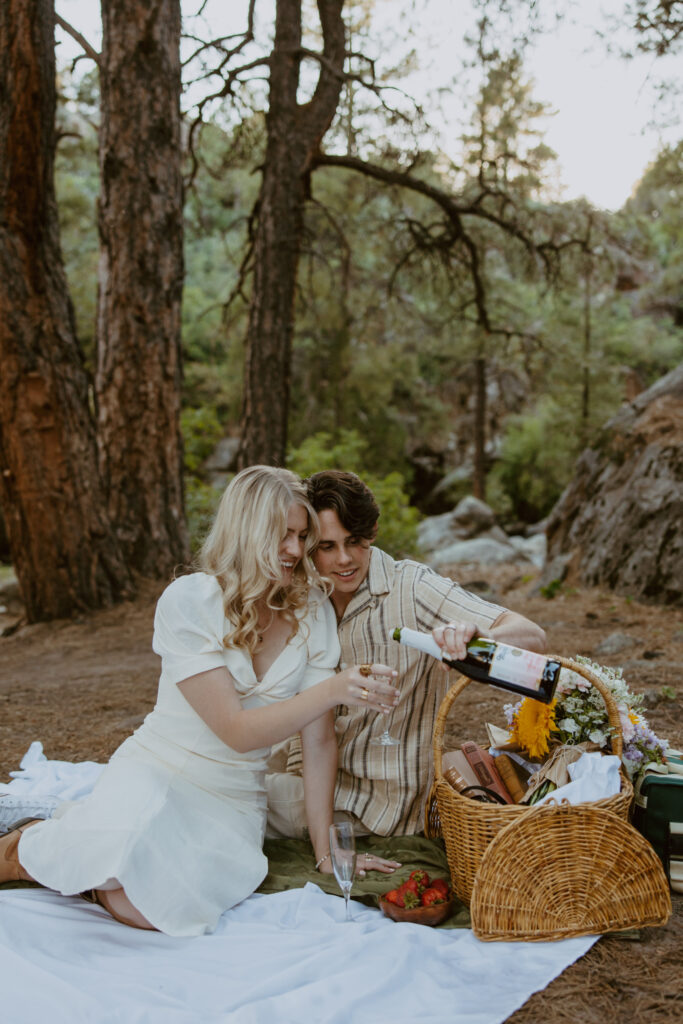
603	105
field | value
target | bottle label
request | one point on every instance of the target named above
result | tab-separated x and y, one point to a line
511	665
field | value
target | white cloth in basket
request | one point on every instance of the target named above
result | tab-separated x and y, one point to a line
594	776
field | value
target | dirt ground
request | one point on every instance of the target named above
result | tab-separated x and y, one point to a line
82	686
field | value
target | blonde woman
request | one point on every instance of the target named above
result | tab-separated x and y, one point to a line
172	833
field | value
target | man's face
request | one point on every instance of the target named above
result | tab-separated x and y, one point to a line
341	557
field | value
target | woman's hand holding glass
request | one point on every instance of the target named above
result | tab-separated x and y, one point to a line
383	655
369	686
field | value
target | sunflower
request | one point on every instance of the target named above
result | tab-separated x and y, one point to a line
532	724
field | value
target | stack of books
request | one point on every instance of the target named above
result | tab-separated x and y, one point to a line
474	772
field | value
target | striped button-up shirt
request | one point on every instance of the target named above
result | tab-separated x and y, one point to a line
384	787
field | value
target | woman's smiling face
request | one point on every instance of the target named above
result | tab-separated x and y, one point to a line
291	549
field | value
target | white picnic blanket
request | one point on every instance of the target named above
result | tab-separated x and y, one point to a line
277	959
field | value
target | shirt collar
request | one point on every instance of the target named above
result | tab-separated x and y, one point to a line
379	573
376	583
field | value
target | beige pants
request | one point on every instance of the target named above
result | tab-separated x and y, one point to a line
286	813
285	793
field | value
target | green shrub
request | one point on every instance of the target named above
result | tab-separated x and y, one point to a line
201	433
535	464
398	522
398	519
201	502
321	451
551	590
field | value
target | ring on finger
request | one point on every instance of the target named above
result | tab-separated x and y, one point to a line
364	693
365	670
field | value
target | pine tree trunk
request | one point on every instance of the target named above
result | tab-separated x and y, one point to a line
294	132
140	281
62	548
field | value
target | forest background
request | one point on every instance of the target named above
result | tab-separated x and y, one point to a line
442	323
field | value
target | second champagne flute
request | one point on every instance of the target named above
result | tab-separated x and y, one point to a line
343	857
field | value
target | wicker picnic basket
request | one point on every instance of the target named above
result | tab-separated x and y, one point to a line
560	871
468	826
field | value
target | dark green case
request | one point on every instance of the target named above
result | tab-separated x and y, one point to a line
658	815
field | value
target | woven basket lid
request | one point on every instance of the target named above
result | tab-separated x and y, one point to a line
562	871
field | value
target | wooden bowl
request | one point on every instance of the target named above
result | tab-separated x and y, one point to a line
431	916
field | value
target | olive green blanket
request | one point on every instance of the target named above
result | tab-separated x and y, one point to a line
291	864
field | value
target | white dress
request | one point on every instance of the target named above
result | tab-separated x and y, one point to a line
177	816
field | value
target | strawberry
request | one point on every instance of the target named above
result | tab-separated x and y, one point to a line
392	896
398	900
409	892
410	886
410	900
421	877
442	886
431	896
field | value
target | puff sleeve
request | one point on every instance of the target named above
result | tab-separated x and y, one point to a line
322	643
189	626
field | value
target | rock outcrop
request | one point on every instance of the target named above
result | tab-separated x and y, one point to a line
470	533
619	523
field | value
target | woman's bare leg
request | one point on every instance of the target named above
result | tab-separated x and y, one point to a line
11	869
114	901
119	906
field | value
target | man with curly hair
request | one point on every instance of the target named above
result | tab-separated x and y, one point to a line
383	789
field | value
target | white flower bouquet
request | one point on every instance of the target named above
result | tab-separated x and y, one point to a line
578	714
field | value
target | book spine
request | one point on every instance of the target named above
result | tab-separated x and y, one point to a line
455	779
483	765
506	769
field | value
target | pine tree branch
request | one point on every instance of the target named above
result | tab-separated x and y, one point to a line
80	39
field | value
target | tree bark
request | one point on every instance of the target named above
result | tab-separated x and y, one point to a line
62	548
140	282
294	133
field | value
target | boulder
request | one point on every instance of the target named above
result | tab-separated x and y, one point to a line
436	532
619	523
469	533
617	642
485	550
470	518
533	548
473	516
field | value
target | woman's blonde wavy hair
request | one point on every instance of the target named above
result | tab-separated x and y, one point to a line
242	550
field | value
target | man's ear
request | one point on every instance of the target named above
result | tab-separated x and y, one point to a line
374	532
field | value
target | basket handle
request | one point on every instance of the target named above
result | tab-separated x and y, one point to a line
460	684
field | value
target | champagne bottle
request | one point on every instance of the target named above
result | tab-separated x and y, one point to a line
488	661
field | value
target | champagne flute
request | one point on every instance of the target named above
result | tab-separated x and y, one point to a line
384	656
343	856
